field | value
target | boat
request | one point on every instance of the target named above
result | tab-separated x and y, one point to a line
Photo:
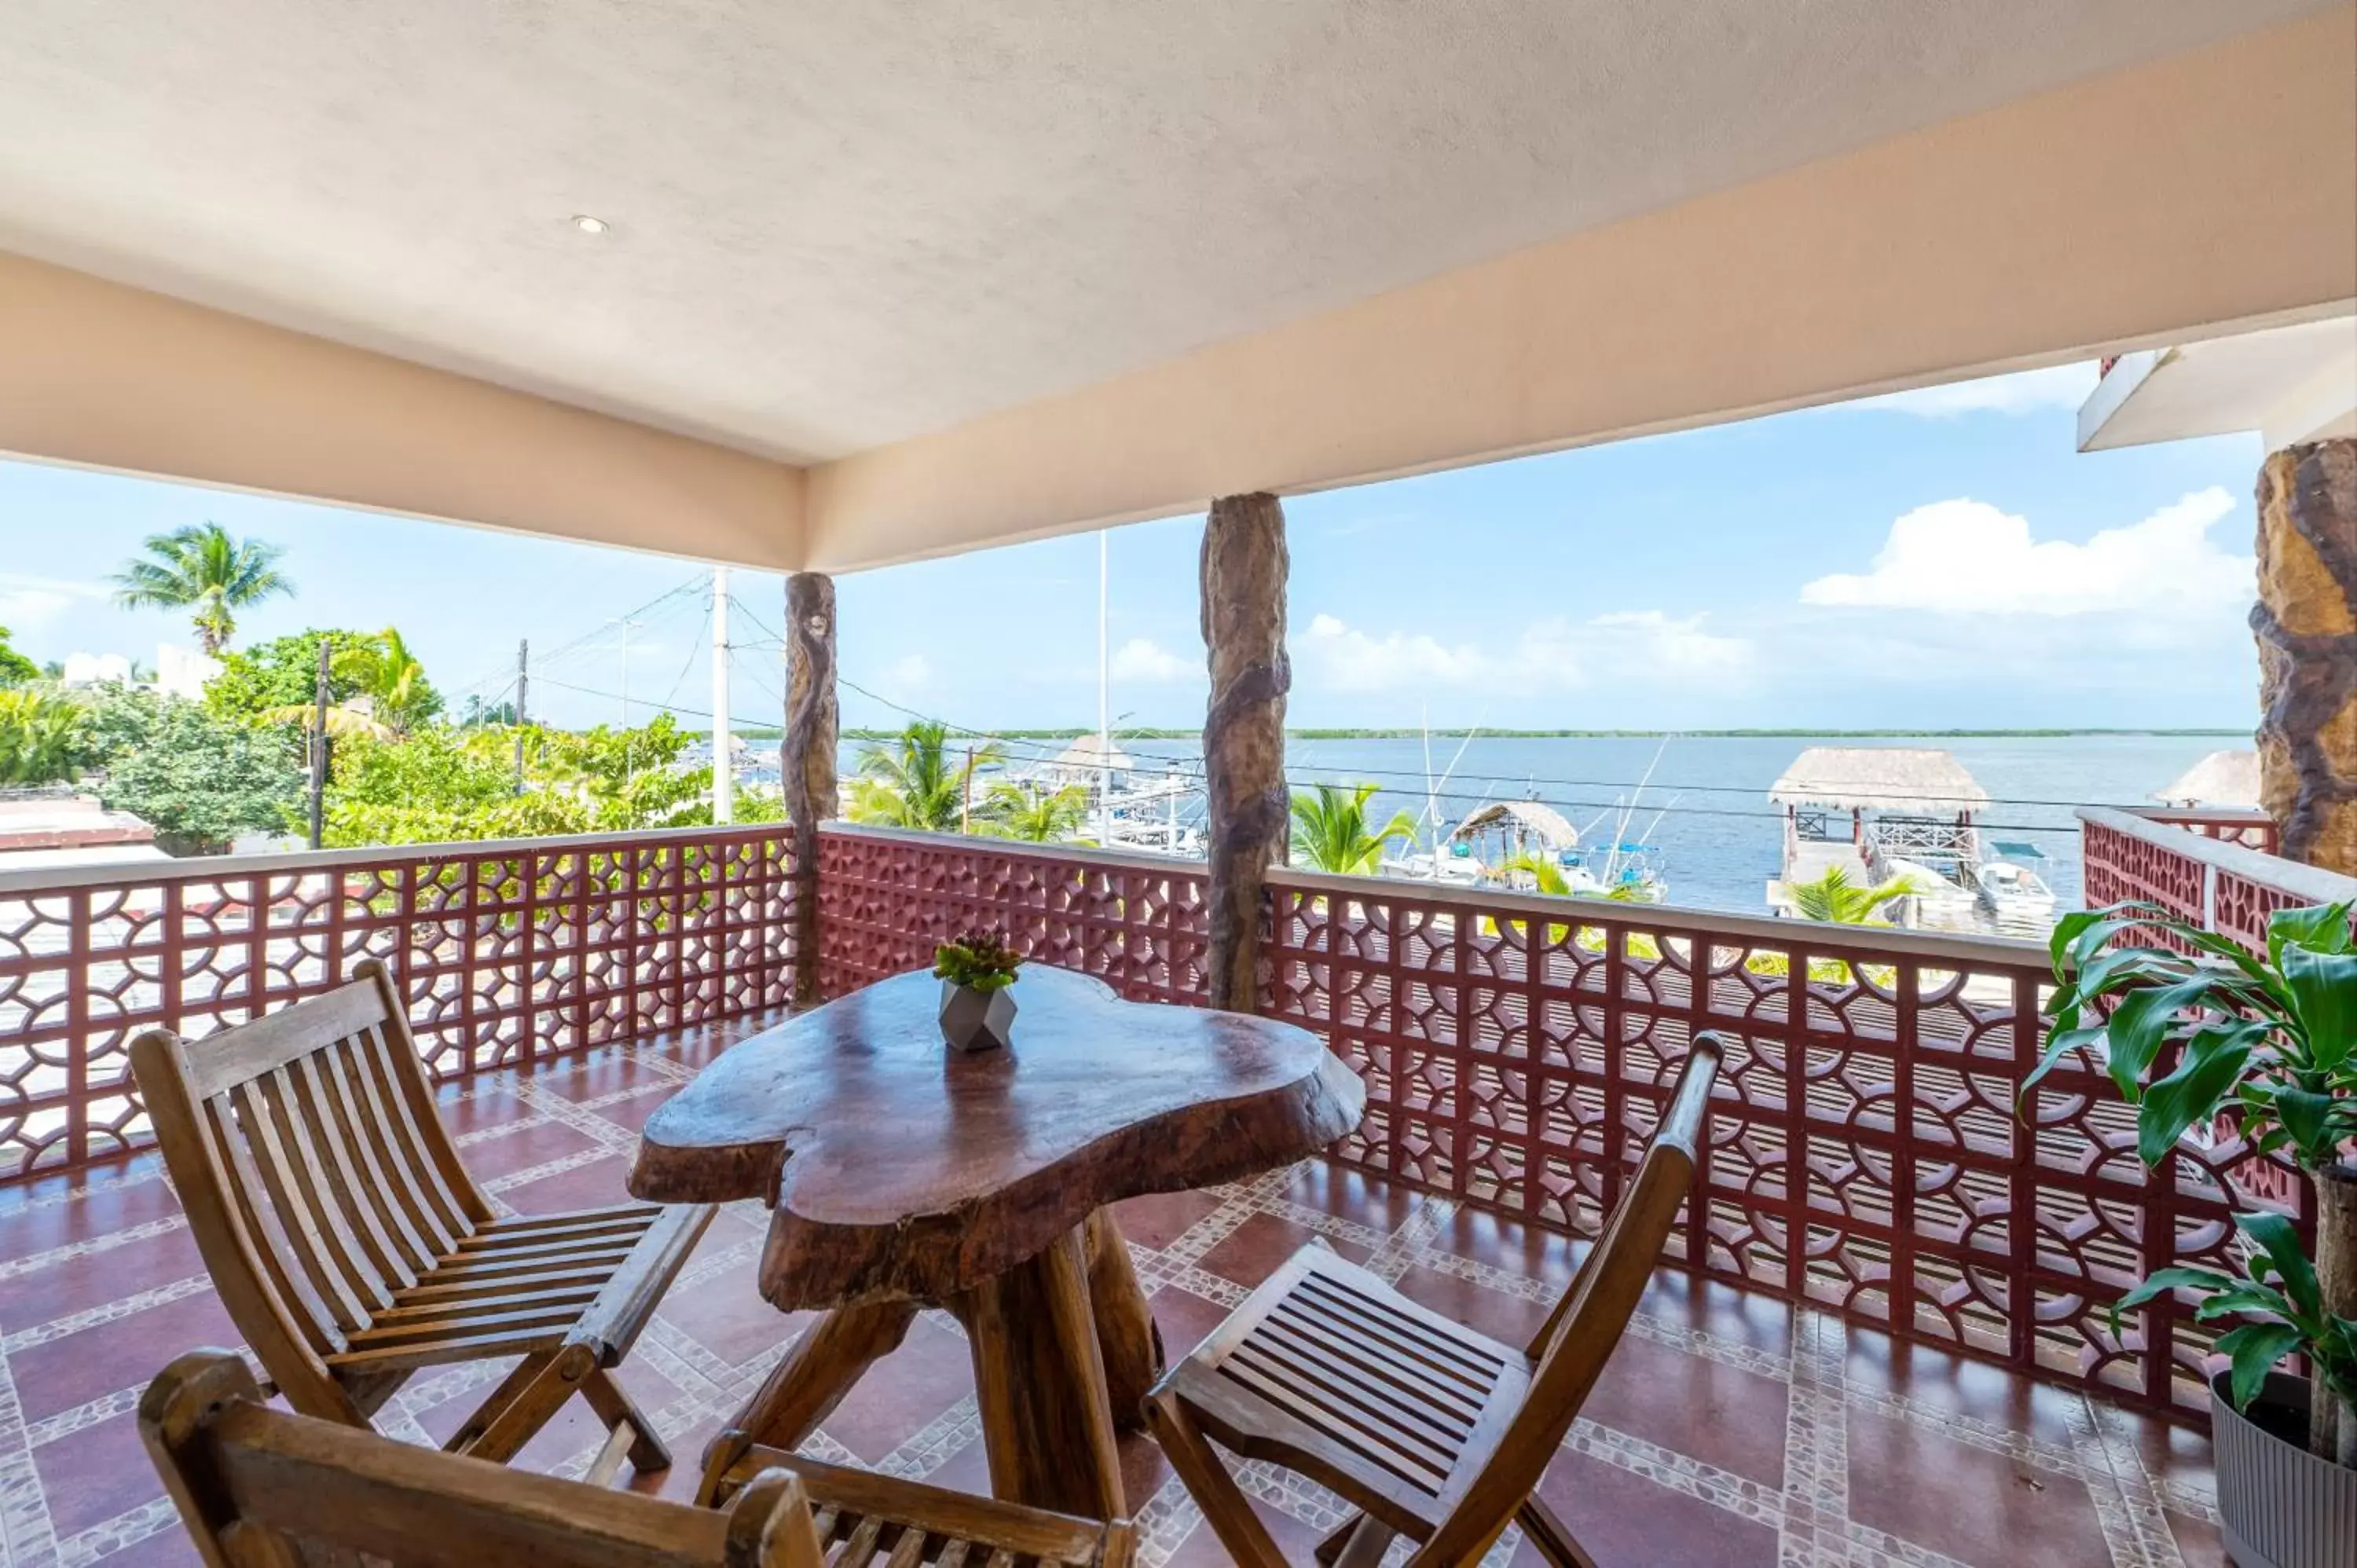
2016	899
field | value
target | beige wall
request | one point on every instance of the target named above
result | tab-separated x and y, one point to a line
2210	189
95	373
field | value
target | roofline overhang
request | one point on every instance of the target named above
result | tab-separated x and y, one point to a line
2190	196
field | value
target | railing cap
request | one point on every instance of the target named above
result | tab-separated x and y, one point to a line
1865	944
2307	883
223	868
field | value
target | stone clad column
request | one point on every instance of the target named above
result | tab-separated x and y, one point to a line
2306	621
806	755
1243	572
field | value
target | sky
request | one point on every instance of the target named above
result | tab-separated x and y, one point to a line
1939	559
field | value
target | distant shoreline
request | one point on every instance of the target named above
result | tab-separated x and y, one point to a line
1416	732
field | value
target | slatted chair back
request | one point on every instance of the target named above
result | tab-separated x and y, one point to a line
258	1488
314	1173
1570	1350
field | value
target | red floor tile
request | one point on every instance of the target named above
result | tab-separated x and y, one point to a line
594	1185
1157	1221
1626	1522
1907	1476
1978	1508
77	1368
94	1474
1258	1248
1509	1319
1706	1409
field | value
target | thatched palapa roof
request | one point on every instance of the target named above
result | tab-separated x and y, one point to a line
1528	818
1085	755
2229	778
1903	780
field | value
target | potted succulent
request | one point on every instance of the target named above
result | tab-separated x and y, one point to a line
976	970
2187	1035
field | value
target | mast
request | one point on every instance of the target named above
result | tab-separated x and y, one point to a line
724	778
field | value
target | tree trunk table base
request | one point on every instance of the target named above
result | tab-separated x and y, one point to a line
1064	1347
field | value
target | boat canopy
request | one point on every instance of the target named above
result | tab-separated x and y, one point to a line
1525	820
1908	781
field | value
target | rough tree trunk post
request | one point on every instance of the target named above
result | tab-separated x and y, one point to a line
2331	1423
806	758
2306	621
1243	572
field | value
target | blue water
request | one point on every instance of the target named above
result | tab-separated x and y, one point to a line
1708	807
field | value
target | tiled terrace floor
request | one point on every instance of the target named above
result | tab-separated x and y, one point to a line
1730	1429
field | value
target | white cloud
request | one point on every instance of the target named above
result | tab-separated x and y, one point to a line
1628	647
30	603
2024	392
1967	556
907	675
1141	658
1346	659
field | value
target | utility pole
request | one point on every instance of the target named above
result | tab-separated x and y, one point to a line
319	748
724	778
523	690
966	808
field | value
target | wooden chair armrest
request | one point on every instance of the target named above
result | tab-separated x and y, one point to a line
614	1320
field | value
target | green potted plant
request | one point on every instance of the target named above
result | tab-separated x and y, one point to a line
2186	1036
976	970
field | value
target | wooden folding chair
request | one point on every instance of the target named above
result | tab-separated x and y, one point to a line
1432	1431
260	1488
351	1248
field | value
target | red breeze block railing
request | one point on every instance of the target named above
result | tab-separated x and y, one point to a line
1864	1152
508	952
887	897
2202	867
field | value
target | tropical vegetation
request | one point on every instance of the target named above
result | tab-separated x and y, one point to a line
200	780
1010	811
2190	1031
445	782
204	570
1835	899
14	668
919	778
1331	831
375	684
40	737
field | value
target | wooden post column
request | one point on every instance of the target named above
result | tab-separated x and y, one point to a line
806	755
1243	572
2306	621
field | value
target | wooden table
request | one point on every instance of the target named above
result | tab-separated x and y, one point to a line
901	1175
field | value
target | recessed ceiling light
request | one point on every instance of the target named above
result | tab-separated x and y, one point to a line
588	225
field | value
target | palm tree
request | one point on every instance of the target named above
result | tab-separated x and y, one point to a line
912	782
1548	876
1035	816
201	569
1834	897
394	684
1330	831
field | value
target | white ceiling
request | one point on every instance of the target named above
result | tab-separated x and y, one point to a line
842	223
